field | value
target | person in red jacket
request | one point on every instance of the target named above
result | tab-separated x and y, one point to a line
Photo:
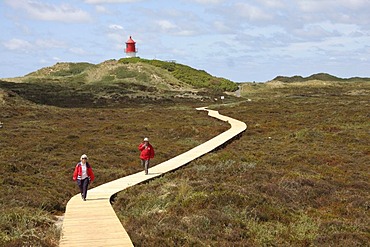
84	175
147	153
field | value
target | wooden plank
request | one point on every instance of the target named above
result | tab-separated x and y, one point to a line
94	223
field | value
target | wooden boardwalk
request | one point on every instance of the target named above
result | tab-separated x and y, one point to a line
94	222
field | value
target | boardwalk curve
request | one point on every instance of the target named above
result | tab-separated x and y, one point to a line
94	222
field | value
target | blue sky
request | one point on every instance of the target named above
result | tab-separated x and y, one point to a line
240	40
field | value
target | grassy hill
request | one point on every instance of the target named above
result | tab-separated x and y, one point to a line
297	177
127	81
320	77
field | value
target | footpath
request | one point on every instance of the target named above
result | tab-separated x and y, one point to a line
94	223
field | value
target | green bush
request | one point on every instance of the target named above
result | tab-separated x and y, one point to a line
73	69
188	75
123	73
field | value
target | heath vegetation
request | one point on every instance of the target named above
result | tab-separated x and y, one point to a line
297	177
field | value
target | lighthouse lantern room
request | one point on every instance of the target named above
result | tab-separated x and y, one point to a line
130	48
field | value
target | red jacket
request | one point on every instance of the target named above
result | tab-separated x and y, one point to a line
146	152
78	172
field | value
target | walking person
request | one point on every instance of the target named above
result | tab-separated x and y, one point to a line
147	153
84	175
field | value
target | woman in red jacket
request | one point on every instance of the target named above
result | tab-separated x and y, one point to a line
84	175
147	153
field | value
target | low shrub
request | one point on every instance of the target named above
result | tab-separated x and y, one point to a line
27	227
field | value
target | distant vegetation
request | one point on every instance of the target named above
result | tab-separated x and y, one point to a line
320	77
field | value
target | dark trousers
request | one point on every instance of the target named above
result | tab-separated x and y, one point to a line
83	184
145	164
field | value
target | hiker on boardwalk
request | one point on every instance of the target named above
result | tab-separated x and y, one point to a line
84	175
147	153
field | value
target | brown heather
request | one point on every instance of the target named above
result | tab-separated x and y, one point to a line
299	175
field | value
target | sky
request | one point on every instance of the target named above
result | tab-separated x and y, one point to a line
241	40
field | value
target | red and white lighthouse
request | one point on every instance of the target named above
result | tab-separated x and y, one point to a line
130	48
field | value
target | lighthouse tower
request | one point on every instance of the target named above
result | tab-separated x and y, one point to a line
130	48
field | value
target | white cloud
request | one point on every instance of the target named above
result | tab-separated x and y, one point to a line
114	33
207	1
338	11
222	27
47	61
314	32
115	27
18	44
39	44
166	25
78	51
111	1
49	43
115	37
101	9
185	33
50	12
311	6
251	12
273	3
